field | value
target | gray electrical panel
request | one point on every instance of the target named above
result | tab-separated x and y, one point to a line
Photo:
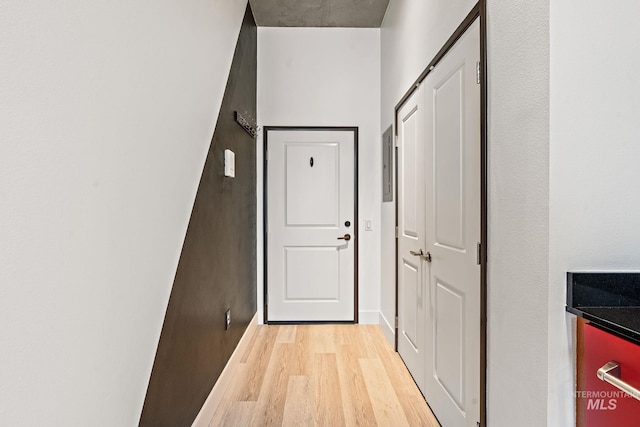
387	166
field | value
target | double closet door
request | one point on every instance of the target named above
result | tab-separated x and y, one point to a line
439	231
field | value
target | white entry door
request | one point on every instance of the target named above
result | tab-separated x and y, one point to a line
311	225
411	237
453	231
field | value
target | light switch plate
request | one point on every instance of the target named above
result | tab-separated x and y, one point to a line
229	163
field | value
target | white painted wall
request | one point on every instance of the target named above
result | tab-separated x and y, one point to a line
518	258
106	114
413	31
329	77
595	178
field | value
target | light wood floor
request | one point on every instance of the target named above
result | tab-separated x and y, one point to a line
322	375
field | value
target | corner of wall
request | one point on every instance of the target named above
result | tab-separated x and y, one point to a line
387	329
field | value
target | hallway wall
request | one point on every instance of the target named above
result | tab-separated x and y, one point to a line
518	246
217	268
106	114
329	77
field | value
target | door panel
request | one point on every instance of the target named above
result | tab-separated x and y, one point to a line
452	106
310	201
448	333
410	169
319	280
312	191
448	154
411	280
411	223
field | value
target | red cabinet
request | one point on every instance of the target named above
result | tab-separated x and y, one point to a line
600	404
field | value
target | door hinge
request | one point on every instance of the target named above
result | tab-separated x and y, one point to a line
396	231
479	254
478	424
478	72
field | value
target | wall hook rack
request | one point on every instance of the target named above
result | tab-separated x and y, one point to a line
250	126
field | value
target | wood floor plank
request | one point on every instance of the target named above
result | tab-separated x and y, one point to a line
386	406
322	338
414	406
301	359
346	334
355	399
300	402
350	335
367	339
286	334
258	361
231	396
322	375
328	396
271	400
304	350
240	414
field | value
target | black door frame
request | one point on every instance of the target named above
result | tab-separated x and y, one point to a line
479	11
265	291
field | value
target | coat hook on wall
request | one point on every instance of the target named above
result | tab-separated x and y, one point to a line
311	162
247	123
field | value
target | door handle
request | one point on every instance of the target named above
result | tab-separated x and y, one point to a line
422	255
611	373
346	237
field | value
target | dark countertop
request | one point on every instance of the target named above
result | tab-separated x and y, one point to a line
608	300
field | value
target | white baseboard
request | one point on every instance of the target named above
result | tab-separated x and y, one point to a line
388	330
368	317
226	377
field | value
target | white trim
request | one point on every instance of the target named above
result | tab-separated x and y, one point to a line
368	317
387	330
226	377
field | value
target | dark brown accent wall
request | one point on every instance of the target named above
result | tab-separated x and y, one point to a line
217	267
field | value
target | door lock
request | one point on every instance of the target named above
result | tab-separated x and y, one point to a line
422	255
346	237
